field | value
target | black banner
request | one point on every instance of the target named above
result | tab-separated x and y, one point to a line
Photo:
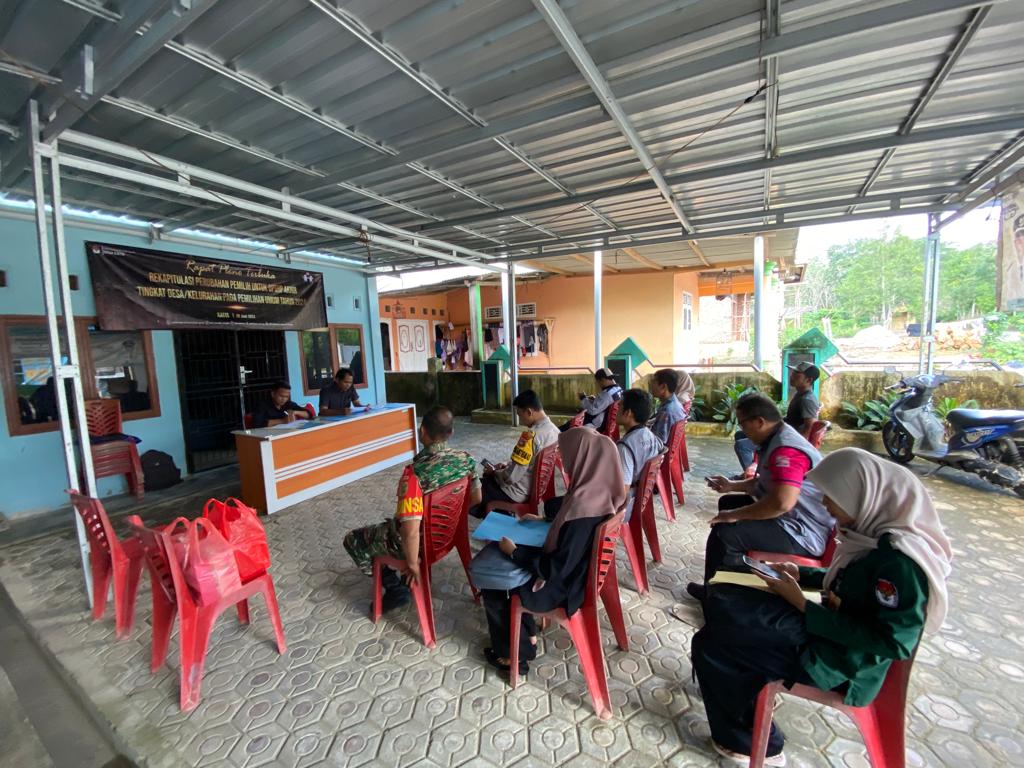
140	289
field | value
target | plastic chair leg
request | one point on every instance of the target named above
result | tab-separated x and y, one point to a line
586	636
684	456
466	554
425	608
763	712
378	593
650	529
194	662
164	612
124	595
666	498
101	573
243	611
632	539
884	737
613	605
516	619
677	481
270	596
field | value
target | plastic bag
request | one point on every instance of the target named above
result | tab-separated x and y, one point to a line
207	559
244	532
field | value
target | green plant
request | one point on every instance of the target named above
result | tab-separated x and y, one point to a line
1004	337
698	408
871	416
944	405
725	407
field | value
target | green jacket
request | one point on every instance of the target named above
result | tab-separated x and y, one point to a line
880	618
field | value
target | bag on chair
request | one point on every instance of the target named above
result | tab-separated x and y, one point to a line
207	559
245	533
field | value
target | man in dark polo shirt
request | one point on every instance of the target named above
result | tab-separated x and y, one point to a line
279	409
803	406
338	397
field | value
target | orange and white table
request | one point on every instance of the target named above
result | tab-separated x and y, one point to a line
281	466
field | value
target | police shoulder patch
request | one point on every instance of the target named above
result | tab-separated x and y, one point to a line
886	594
522	454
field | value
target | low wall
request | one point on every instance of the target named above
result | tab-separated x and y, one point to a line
462	391
558	392
459	390
419	388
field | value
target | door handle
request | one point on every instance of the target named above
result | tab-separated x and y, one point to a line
242	373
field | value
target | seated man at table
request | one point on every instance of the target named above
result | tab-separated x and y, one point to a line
638	444
594	406
670	410
511	482
435	465
778	510
279	408
338	397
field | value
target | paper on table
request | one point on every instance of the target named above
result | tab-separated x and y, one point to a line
289	425
529	533
754	582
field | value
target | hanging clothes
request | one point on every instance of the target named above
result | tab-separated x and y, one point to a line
542	338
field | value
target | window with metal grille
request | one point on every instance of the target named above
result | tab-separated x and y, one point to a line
687	311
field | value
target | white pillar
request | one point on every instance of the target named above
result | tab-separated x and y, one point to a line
506	312
758	301
510	337
933	305
598	360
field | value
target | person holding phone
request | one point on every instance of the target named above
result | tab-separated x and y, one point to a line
885	585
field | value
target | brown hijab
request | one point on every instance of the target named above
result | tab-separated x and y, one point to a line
597	488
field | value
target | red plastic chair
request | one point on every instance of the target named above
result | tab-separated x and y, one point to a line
110	557
310	410
672	469
882	723
808	562
117	457
247	420
684	455
817	433
584	626
610	427
171	595
445	527
542	488
642	522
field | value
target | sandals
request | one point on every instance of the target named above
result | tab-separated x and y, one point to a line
493	660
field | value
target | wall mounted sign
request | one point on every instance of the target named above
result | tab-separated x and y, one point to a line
137	288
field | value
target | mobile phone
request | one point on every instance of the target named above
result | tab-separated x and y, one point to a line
487	463
763	568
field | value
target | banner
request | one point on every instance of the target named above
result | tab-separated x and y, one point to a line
1010	280
140	289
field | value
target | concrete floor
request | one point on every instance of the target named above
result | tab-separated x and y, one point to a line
351	693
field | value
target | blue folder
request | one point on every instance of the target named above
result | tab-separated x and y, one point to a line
528	533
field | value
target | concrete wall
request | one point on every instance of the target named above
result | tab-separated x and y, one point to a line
33	477
556	392
459	390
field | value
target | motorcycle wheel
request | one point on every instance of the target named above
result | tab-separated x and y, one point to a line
898	443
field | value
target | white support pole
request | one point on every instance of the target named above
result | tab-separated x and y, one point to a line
61	371
506	311
933	304
758	301
598	360
510	336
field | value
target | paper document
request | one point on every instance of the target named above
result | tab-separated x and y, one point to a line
529	533
289	425
754	582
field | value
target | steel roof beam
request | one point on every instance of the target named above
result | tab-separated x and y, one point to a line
1002	160
940	76
94	8
11	67
819	35
772	27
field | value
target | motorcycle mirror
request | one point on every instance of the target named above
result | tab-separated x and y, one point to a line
890	370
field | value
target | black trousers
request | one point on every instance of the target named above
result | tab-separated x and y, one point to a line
498	608
730	678
729	542
489	491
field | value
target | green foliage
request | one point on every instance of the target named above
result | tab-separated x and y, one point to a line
944	405
725	407
1004	337
698	408
871	416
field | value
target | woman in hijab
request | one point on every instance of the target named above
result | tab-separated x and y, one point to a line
886	583
560	567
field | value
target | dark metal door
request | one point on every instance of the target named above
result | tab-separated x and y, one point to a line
213	388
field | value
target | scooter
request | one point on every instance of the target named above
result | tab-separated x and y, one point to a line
985	443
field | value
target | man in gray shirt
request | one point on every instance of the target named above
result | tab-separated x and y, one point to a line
638	444
511	482
803	406
670	410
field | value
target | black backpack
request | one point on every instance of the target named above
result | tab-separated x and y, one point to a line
159	471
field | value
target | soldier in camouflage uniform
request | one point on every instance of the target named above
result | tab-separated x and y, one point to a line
434	466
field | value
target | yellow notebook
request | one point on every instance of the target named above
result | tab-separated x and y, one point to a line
754	582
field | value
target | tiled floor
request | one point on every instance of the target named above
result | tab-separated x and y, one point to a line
352	693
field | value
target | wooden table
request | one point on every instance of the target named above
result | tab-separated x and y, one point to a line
281	466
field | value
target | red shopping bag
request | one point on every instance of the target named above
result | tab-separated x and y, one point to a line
244	531
207	559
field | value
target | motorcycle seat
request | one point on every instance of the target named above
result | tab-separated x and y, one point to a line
968	417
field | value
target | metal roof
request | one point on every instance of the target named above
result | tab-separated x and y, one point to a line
508	127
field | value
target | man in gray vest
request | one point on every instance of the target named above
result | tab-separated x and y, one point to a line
777	510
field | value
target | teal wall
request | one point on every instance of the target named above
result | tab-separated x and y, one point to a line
33	477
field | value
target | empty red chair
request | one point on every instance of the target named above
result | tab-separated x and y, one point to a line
115	457
584	626
642	521
542	488
672	469
808	562
445	527
881	723
171	595
110	558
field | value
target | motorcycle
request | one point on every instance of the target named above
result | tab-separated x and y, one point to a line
985	443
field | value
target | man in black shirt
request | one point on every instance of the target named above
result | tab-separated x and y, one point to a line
338	397
279	409
803	406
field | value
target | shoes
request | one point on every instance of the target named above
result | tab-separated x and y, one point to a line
395	597
777	761
492	659
697	591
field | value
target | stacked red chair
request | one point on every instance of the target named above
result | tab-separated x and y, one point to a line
172	596
882	723
115	457
642	522
672	469
584	626
542	488
445	527
110	559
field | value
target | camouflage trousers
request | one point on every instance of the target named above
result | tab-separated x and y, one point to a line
382	539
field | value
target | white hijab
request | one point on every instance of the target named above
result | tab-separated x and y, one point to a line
883	497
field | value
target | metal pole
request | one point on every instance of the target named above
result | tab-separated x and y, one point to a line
598	361
758	300
60	371
513	342
926	330
933	305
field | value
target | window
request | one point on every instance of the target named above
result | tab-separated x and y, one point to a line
687	311
324	350
117	365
